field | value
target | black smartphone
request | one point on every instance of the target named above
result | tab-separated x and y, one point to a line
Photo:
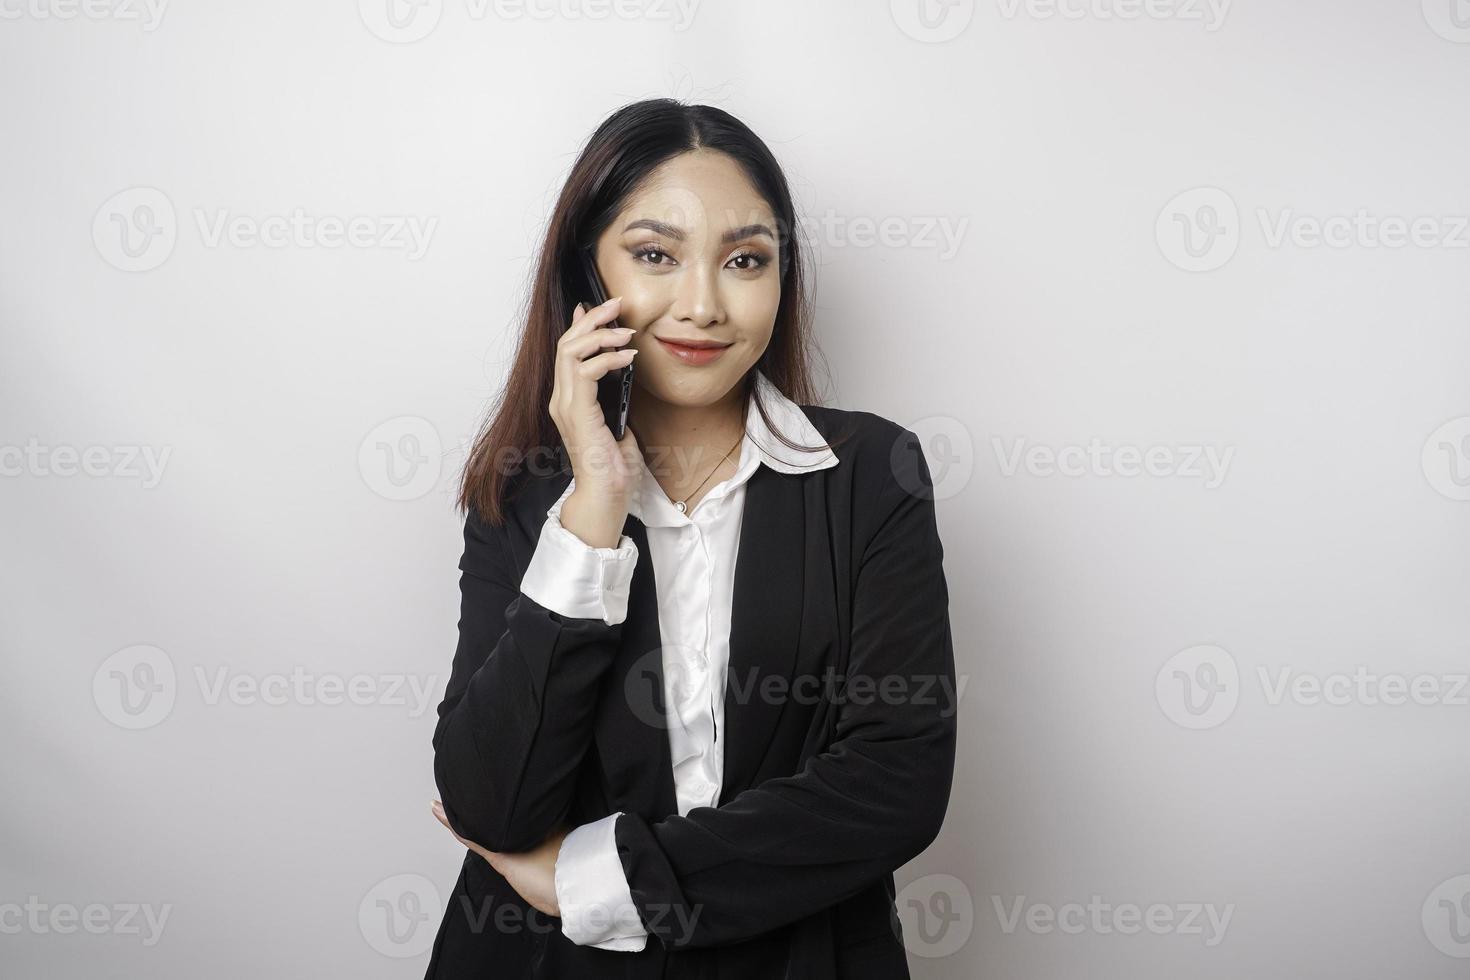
615	388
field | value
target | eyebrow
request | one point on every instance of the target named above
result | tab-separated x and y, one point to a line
677	234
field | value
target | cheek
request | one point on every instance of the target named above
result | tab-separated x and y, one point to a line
644	301
754	308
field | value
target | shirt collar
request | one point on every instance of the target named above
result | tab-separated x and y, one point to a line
760	445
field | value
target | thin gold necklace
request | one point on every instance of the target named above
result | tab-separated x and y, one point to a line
683	505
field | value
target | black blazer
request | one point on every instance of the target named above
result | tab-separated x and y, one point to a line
839	749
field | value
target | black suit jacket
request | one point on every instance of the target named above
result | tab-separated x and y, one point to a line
839	746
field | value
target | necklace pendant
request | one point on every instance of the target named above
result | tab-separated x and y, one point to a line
679	505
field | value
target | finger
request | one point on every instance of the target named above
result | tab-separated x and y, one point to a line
596	367
585	325
440	816
575	344
583	347
591	319
488	855
595	316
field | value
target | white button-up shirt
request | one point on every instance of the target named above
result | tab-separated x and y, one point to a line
694	571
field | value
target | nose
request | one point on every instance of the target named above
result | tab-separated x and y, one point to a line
697	301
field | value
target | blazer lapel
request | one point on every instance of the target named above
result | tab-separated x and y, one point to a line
765	621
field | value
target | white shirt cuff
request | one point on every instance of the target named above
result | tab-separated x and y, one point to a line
574	579
596	906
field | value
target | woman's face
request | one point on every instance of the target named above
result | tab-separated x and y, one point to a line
694	256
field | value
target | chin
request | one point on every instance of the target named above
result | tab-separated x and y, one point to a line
694	387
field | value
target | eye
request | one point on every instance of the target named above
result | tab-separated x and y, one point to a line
643	254
754	260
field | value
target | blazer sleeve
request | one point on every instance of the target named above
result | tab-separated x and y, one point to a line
792	846
517	713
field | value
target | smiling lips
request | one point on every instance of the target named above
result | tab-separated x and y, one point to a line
695	352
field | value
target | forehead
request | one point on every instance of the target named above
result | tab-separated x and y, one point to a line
701	190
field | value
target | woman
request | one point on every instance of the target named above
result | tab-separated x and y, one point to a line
692	725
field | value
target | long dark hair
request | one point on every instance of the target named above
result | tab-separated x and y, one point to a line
629	144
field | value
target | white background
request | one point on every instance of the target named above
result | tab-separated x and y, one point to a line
1118	179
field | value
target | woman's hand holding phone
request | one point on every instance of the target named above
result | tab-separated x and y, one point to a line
606	470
